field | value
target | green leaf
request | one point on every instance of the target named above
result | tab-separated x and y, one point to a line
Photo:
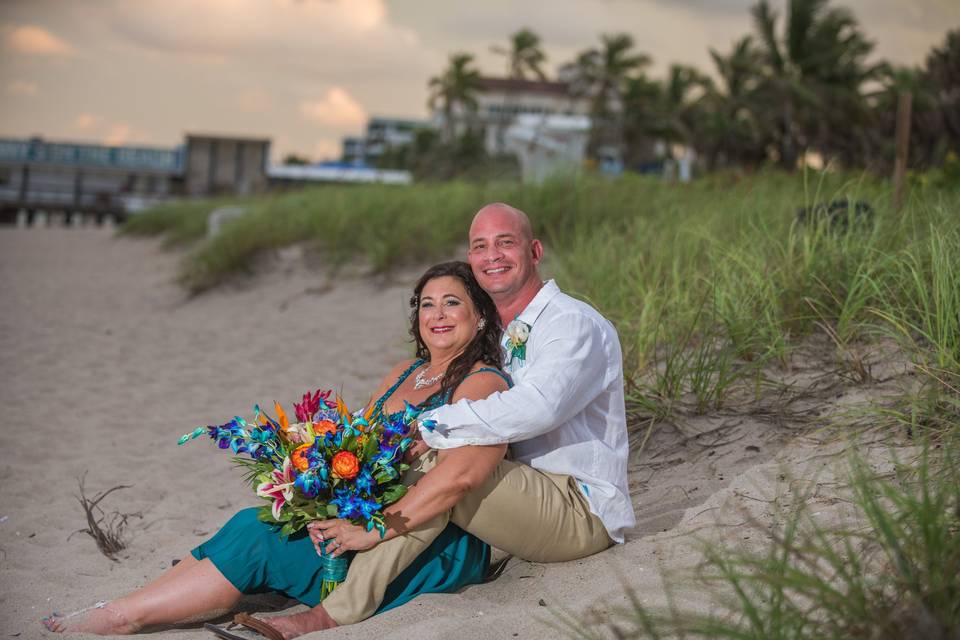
332	511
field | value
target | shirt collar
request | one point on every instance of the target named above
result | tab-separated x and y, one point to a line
540	301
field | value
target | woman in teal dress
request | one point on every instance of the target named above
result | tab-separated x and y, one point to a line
456	327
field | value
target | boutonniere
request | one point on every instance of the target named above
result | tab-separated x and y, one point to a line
518	332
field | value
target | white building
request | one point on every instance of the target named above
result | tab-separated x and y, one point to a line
548	145
501	100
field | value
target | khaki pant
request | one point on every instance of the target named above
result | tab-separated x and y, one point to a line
537	516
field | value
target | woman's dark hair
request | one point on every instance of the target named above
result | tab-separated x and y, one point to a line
485	346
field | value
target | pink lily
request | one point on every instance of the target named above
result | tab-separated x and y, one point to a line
281	487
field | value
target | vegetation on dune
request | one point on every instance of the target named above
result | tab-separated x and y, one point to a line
891	573
712	285
721	266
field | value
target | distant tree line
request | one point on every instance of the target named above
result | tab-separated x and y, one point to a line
799	83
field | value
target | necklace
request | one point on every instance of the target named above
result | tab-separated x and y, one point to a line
421	382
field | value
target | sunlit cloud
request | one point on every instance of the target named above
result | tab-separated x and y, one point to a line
326	149
118	133
33	40
335	109
85	121
113	133
23	88
222	27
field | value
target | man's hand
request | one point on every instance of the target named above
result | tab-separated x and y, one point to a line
341	536
418	447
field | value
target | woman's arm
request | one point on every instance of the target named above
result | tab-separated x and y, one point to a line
458	472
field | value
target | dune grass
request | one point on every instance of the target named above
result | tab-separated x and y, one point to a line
711	284
889	572
707	282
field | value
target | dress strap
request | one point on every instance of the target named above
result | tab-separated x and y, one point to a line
403	376
505	377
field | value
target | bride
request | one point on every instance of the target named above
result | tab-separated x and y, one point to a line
456	328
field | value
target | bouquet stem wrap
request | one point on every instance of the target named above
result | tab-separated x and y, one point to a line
333	571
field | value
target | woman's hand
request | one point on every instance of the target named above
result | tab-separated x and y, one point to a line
341	536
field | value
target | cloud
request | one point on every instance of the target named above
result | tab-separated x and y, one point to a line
118	133
85	121
23	88
335	109
111	133
33	40
326	149
224	27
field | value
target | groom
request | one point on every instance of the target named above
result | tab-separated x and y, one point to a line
564	494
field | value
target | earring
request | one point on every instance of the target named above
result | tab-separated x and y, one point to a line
481	324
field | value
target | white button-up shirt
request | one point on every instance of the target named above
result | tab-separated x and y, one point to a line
565	413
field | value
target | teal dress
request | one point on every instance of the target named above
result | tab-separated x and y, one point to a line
255	558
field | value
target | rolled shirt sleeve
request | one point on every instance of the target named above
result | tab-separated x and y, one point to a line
565	375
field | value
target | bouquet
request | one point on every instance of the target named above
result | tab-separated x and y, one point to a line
330	463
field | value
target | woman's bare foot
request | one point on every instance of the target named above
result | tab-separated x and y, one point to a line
100	619
297	624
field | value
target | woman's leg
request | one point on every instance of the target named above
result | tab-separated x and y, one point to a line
197	591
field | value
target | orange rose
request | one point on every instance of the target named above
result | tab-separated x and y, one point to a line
299	457
345	465
324	427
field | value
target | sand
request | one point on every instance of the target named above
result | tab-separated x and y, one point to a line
106	362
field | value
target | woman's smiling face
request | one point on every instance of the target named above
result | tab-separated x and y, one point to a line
448	318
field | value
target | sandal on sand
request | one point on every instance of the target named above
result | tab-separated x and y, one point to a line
246	620
226	634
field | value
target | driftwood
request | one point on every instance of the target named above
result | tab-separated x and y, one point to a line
107	530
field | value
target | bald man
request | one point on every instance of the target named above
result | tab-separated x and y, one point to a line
562	496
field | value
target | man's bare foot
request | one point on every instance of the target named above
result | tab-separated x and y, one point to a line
100	619
298	624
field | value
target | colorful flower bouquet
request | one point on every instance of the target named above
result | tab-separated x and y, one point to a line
329	464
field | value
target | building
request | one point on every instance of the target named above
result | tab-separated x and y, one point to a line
42	181
295	176
383	135
546	145
218	165
39	178
354	151
501	100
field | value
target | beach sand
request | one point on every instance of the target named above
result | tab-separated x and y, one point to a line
106	362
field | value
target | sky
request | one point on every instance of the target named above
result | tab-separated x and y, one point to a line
306	73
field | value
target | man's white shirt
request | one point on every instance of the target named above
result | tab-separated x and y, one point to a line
565	413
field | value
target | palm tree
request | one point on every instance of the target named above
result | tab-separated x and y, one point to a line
455	91
731	129
602	75
814	74
642	97
670	112
943	79
524	55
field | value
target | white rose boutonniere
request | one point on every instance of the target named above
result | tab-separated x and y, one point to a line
518	332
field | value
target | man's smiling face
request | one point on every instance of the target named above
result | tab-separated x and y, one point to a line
502	253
